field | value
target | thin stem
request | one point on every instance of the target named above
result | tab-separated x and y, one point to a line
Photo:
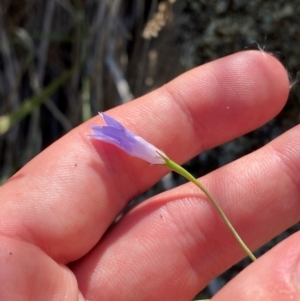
177	168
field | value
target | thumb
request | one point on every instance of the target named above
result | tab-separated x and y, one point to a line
274	276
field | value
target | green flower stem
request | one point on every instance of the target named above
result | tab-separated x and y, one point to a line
177	168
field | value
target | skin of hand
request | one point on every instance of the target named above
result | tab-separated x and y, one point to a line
55	212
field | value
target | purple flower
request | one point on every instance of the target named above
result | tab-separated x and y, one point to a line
116	134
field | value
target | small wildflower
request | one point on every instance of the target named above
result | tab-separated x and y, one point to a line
115	133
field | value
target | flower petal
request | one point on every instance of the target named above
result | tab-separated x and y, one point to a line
112	122
121	138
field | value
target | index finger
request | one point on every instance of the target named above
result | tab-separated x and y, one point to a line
65	199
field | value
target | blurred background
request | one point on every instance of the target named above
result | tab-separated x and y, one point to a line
62	61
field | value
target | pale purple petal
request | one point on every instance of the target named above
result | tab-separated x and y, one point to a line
112	122
116	134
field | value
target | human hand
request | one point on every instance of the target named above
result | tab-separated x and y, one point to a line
56	211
